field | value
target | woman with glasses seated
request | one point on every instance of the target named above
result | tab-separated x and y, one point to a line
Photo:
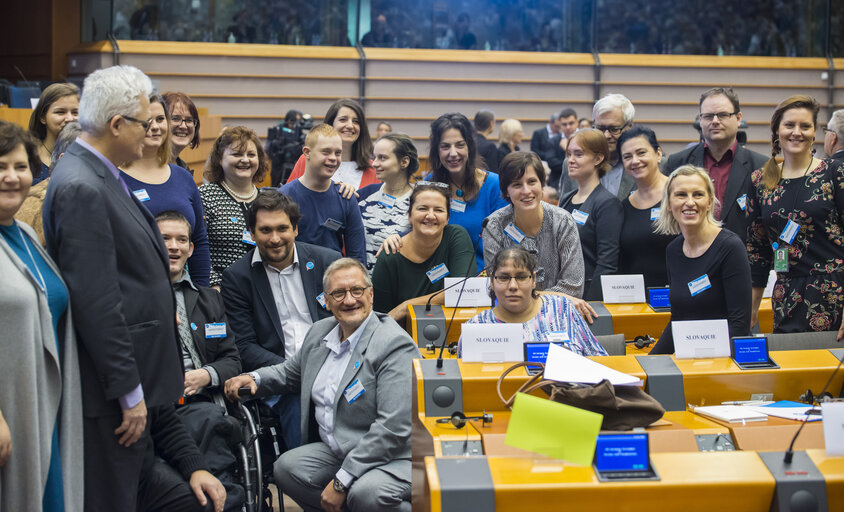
513	286
162	186
432	250
184	126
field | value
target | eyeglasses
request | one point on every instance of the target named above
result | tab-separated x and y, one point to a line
355	291
723	116
145	124
505	279
437	184
614	130
177	120
827	130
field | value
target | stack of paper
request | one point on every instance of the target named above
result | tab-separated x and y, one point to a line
731	413
564	365
788	410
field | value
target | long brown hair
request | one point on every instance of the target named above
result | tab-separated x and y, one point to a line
362	147
771	172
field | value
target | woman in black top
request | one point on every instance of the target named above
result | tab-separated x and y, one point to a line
596	211
510	135
641	247
708	269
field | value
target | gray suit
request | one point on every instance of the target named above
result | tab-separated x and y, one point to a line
373	432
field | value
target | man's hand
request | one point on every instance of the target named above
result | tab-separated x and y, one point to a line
195	380
235	383
5	441
134	422
202	483
331	500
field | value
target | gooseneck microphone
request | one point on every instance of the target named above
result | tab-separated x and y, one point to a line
472	264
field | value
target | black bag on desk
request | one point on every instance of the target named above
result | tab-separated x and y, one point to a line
623	407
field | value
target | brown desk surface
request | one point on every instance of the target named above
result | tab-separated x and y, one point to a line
774	434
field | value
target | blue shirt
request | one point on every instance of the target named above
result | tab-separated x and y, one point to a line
328	219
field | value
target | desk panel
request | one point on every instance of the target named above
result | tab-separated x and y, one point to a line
832	469
774	434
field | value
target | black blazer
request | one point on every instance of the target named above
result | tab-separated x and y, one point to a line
599	237
113	259
548	148
251	310
487	150
206	306
745	162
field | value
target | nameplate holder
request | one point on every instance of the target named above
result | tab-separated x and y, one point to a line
492	343
623	289
833	427
475	292
701	339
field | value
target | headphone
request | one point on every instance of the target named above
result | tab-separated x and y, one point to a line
643	341
458	419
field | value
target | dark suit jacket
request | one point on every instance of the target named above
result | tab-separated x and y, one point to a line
838	156
251	309
206	306
113	259
745	162
548	148
487	150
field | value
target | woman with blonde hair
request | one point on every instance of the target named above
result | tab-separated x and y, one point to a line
796	212
510	135
708	272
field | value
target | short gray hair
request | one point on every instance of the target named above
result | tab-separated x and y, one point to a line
340	265
66	137
613	102
666	224
836	123
111	92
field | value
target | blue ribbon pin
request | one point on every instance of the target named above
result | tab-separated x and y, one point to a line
309	265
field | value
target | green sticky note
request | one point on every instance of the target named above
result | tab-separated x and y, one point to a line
557	430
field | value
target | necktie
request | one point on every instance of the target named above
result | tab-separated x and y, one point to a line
185	334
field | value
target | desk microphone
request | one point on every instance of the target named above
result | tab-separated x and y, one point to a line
458	419
472	263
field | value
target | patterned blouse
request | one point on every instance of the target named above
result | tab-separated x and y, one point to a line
810	292
225	218
557	314
382	216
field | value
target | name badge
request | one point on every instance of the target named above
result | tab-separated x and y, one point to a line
789	233
699	285
332	224
780	259
354	391
321	299
437	273
656	211
742	202
458	206
141	194
387	200
514	233
579	216
233	219
217	330
247	237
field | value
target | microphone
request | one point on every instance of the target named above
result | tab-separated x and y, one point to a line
789	454
456	304
458	419
428	303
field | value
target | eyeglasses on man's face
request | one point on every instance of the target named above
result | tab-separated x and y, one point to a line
613	130
355	291
723	116
144	124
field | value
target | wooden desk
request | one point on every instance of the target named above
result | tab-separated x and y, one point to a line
774	434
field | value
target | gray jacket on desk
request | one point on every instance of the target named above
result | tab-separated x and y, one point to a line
374	430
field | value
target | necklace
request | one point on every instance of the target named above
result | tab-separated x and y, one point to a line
32	259
237	196
48	150
811	161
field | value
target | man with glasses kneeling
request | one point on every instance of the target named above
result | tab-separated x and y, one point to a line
354	372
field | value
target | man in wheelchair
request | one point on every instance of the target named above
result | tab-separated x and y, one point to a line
353	376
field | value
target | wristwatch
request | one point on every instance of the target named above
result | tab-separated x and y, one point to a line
339	487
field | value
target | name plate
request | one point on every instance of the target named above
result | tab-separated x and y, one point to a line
700	339
492	343
833	427
623	289
475	292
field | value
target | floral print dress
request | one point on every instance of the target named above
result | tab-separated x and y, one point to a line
810	295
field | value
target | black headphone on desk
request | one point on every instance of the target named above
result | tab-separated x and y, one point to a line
458	419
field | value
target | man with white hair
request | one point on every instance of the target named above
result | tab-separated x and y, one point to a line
613	115
833	142
116	267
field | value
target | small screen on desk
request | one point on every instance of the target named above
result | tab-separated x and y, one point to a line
537	351
622	452
658	298
751	350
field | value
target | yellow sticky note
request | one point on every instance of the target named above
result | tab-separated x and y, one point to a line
553	429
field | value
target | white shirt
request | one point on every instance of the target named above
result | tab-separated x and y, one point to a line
290	302
348	172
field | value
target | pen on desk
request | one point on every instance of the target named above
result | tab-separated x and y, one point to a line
748	402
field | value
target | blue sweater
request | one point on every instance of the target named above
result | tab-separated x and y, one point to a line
179	193
319	207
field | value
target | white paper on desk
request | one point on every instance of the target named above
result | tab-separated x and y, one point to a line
475	292
782	409
564	365
623	289
833	427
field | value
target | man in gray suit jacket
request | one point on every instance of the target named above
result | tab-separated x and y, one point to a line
353	373
727	162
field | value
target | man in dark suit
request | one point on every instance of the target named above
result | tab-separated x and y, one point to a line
833	142
115	265
273	294
728	163
484	125
353	374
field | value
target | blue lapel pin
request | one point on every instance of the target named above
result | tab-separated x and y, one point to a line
193	326
357	363
309	265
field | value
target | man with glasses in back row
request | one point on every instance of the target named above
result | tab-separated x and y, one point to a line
728	163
